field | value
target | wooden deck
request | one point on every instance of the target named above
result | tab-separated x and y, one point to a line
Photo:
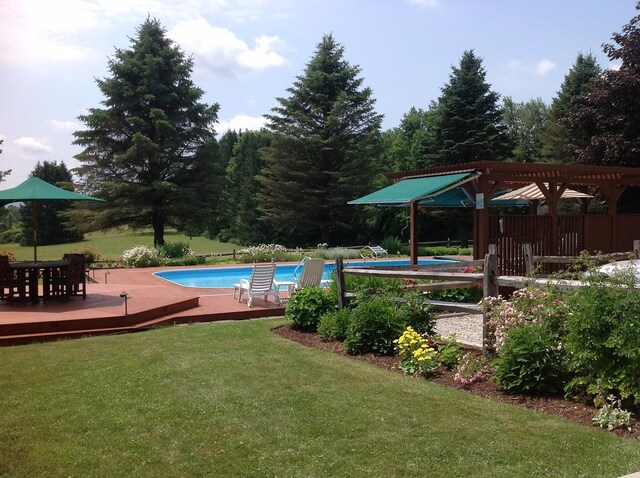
151	302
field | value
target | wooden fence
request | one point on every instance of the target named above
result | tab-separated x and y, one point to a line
452	276
590	232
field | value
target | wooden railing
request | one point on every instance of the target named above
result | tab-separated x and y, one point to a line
450	276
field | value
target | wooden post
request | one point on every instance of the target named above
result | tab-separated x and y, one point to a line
636	248
340	281
489	289
528	258
413	232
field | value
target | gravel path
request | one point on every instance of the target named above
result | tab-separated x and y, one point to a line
467	327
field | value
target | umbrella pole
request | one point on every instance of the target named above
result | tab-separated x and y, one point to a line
34	223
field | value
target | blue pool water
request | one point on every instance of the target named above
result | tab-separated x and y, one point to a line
225	277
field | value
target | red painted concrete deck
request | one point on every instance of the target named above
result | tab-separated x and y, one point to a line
151	301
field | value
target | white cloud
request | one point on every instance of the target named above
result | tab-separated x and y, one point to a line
27	144
64	126
544	66
222	52
424	3
541	68
241	122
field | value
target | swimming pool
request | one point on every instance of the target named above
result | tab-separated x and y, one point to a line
225	277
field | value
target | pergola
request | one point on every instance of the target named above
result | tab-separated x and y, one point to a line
475	184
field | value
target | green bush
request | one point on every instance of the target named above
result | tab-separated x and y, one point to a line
532	360
12	235
603	338
470	295
449	351
413	310
393	245
332	253
175	250
373	327
306	307
184	261
141	256
334	325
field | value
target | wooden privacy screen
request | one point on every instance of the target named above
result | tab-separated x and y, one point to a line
593	233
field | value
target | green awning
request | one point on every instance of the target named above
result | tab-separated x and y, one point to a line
408	190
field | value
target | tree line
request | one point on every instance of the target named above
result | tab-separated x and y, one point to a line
150	148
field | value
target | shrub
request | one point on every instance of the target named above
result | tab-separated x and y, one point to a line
472	369
175	250
531	360
90	255
332	253
612	416
306	307
415	311
268	252
470	295
334	325
449	351
527	306
141	256
603	337
416	355
393	245
373	327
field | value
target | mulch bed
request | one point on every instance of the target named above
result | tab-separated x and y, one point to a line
571	410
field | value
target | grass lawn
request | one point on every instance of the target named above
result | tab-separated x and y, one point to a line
234	399
110	244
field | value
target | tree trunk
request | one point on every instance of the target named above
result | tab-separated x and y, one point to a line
158	228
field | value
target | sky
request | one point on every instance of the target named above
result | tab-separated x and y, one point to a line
248	52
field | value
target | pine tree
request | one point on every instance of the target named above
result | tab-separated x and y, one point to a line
604	122
326	141
150	152
577	82
247	162
468	127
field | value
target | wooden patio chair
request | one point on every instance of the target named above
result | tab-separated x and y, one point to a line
8	283
73	280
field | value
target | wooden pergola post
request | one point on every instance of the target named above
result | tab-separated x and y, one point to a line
413	232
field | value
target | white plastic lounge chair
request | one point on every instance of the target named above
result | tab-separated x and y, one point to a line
260	284
374	252
311	275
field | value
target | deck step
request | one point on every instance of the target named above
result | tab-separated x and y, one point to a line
25	332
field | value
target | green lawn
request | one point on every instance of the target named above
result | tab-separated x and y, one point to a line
112	243
233	399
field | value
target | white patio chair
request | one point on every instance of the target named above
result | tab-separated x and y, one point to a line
261	284
311	275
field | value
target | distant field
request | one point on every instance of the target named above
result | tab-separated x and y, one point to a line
112	243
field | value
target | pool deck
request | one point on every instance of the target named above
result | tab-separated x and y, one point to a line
151	301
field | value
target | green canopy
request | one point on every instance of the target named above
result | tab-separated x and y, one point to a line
408	190
34	189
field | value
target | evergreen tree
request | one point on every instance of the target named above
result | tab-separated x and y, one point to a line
411	145
150	152
52	223
577	82
604	122
469	120
524	123
247	162
324	151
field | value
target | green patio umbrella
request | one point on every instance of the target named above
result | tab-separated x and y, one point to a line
35	189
